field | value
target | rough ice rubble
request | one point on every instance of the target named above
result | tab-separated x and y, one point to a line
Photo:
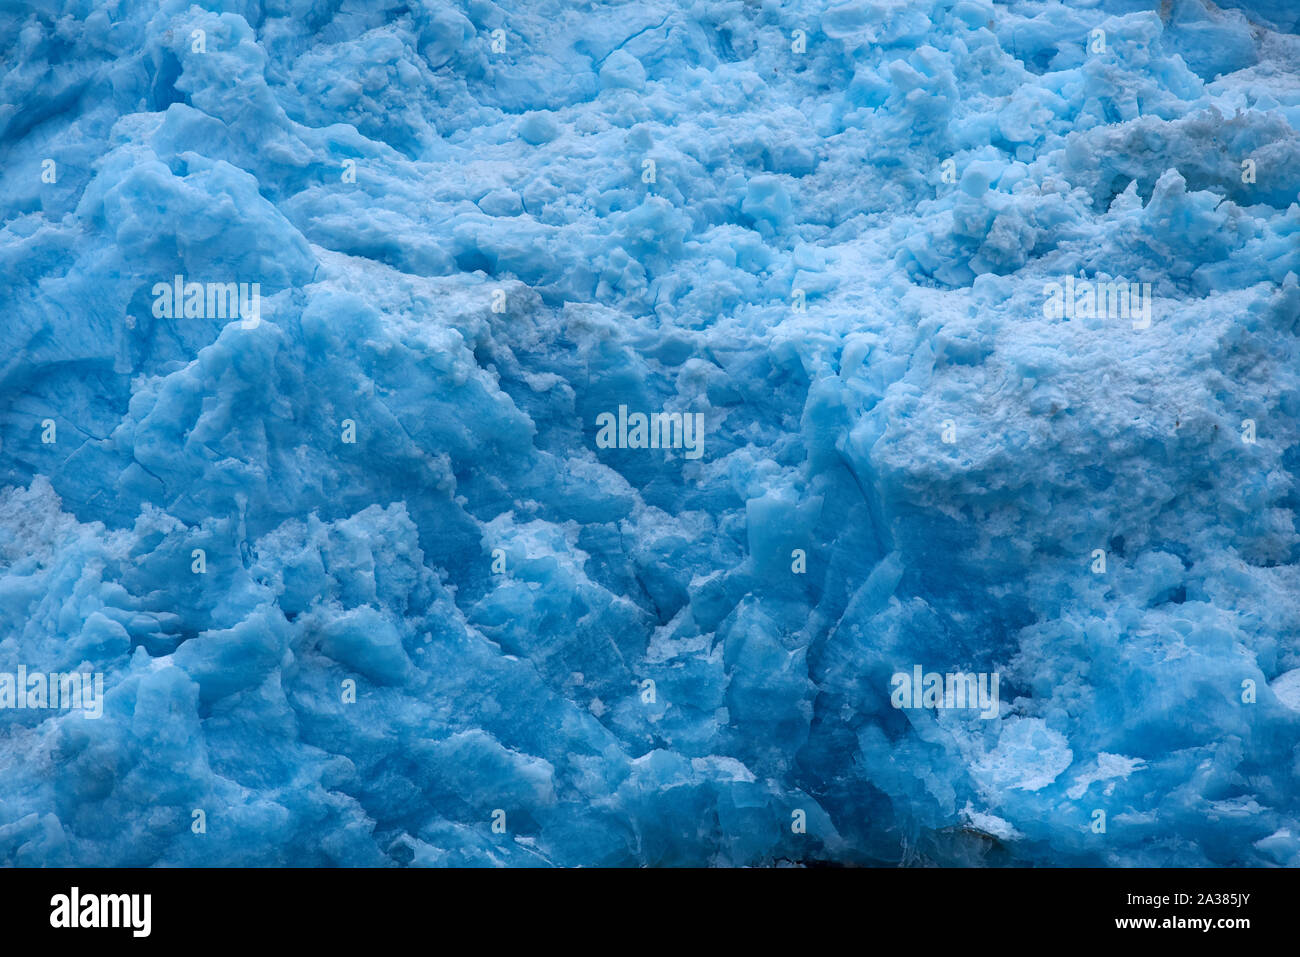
523	170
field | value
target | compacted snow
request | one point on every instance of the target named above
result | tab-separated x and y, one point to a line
533	432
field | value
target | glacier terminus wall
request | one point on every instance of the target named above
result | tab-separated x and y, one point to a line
706	432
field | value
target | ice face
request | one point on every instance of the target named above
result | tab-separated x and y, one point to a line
352	364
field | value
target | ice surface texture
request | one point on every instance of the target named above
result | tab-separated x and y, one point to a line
501	587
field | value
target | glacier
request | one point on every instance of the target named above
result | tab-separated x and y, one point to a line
365	589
